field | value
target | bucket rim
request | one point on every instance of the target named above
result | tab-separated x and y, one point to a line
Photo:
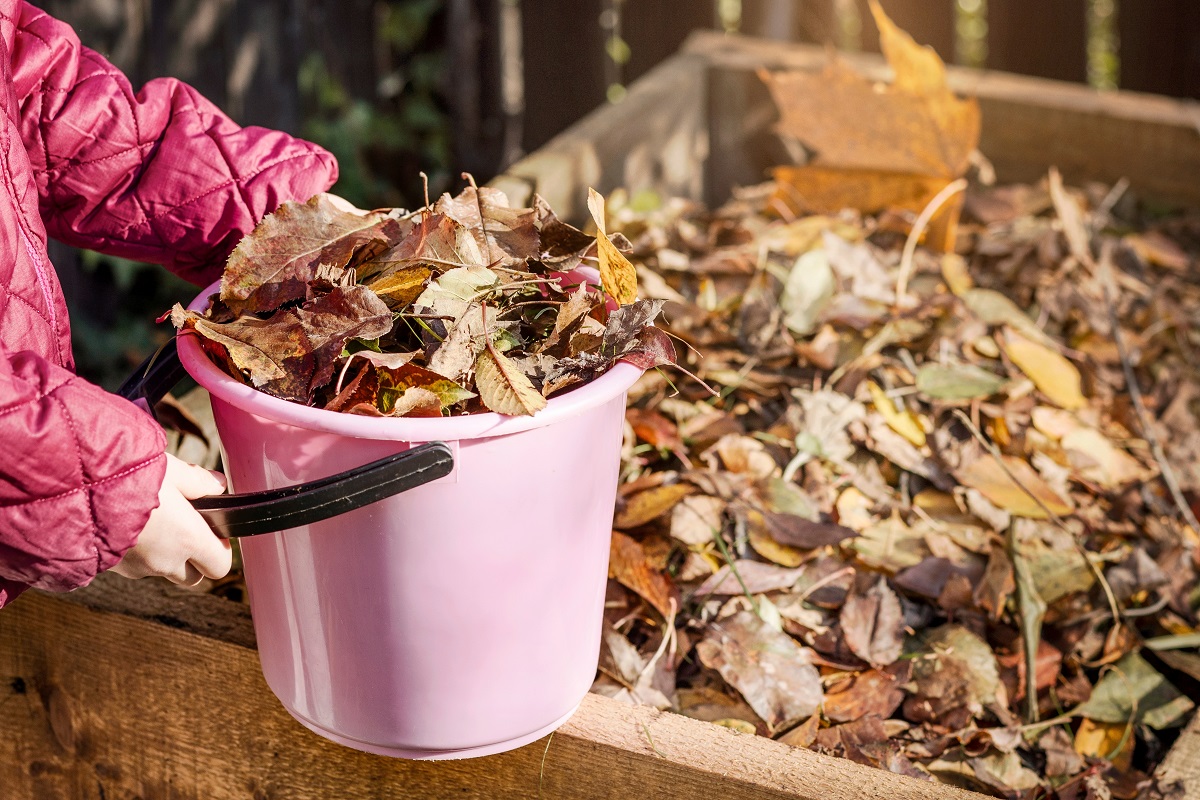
613	383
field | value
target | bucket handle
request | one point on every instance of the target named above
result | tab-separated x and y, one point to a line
237	515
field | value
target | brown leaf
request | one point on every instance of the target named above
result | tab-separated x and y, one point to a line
505	236
563	246
873	624
1014	496
874	691
503	388
627	563
274	264
960	670
292	353
804	734
695	520
397	380
650	505
435	241
755	575
796	531
772	672
997	585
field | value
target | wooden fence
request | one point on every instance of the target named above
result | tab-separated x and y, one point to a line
565	57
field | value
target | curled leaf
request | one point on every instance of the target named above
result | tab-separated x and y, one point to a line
617	274
503	388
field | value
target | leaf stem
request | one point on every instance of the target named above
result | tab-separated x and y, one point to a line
918	228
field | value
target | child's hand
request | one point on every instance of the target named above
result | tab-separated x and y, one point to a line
177	543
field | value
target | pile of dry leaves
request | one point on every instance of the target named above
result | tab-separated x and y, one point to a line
463	306
941	518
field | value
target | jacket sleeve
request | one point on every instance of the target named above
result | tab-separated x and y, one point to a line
79	476
161	175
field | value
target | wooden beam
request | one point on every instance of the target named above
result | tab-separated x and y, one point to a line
1159	47
1035	37
1183	761
104	704
1029	124
656	138
563	52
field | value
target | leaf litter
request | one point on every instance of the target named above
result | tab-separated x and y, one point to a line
487	307
929	530
920	508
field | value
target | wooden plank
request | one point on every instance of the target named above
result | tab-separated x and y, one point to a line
655	29
97	704
563	51
1183	761
1160	46
1029	124
1034	37
656	138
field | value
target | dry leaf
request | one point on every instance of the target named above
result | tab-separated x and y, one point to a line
873	624
650	505
768	668
904	422
875	691
503	388
617	275
273	265
1055	376
628	564
696	519
1027	496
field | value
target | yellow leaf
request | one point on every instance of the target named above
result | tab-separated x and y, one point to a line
904	422
401	287
618	276
650	504
1110	741
955	274
914	126
1054	376
503	388
766	546
993	482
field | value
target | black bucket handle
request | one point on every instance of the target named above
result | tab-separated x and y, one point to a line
236	515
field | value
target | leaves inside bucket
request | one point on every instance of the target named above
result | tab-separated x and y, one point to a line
467	306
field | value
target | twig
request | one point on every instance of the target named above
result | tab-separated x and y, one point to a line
479	205
542	769
918	228
657	752
1135	394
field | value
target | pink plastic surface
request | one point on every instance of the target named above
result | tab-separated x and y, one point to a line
460	618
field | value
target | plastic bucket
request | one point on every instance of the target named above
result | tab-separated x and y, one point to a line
457	619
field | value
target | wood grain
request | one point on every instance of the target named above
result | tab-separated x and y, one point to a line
98	704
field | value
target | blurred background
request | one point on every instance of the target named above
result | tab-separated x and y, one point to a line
396	87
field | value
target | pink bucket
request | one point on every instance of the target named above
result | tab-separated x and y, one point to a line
457	619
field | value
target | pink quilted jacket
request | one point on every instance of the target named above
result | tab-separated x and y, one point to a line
160	175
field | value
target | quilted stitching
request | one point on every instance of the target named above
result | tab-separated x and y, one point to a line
159	176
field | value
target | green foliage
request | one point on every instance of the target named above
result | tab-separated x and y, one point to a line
382	143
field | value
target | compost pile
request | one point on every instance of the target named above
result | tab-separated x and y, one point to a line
941	517
464	306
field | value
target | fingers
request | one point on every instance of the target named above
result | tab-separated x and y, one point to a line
193	481
213	557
